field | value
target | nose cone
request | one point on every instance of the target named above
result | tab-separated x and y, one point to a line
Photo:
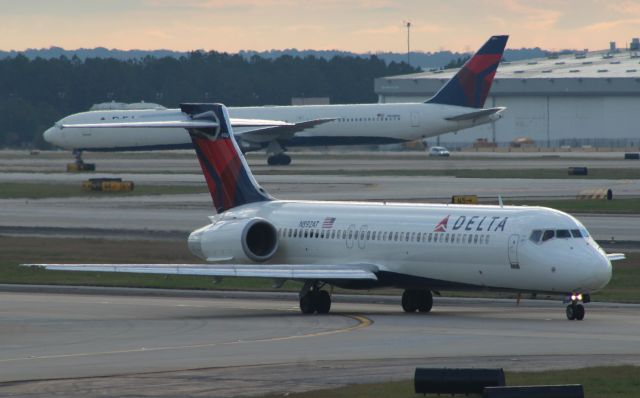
54	136
600	272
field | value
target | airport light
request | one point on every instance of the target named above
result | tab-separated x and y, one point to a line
407	24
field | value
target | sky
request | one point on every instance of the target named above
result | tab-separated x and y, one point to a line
353	25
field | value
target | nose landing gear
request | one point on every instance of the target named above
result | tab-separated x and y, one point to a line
575	311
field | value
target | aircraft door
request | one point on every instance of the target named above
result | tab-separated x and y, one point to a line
513	251
415	119
351	235
362	239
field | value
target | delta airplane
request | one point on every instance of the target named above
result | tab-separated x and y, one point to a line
457	105
422	248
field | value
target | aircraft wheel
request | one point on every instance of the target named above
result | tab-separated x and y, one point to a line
323	302
410	301
426	301
571	312
279	160
308	303
579	312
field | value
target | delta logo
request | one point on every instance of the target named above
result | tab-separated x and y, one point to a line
473	223
442	225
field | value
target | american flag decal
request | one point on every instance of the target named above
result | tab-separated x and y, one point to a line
328	222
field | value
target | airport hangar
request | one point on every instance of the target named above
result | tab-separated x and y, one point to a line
579	100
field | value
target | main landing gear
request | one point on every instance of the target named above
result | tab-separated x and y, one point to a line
417	300
575	310
279	160
313	299
276	154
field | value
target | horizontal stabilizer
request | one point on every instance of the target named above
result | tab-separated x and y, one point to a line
616	256
281	271
186	123
476	114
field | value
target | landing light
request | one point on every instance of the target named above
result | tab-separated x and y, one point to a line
576	297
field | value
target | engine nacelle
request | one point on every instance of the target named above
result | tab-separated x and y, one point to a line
241	241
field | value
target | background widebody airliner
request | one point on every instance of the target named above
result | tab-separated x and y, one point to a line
457	105
417	247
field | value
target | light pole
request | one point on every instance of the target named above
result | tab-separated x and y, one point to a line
407	24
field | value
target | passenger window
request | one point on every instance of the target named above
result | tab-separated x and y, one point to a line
362	235
395	237
563	233
535	236
406	237
482	239
470	238
430	236
418	237
576	233
401	236
548	234
486	239
350	234
475	238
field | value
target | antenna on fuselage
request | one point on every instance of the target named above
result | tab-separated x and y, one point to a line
500	201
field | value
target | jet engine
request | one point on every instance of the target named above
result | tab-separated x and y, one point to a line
241	241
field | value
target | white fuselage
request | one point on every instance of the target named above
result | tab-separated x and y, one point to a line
412	244
353	124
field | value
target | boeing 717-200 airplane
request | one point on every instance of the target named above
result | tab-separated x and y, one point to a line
417	247
457	105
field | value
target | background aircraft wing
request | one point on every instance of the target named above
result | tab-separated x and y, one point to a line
284	132
476	114
276	271
186	123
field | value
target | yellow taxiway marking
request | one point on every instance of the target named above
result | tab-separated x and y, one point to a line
363	322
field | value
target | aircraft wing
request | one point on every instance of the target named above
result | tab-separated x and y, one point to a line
186	123
273	271
616	256
476	114
283	132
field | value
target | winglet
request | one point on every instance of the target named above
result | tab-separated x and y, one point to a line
470	86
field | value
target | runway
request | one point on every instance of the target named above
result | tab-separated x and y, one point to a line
127	335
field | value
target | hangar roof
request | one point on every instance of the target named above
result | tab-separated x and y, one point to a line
599	72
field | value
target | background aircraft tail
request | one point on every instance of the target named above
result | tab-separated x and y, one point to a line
470	86
225	169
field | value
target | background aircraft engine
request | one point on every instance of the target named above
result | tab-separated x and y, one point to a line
247	240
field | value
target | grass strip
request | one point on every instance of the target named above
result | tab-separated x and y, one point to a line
10	190
624	286
598	382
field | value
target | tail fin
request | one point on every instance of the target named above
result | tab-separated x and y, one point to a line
470	86
228	177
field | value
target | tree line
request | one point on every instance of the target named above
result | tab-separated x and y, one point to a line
34	93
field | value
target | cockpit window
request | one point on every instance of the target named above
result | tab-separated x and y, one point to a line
576	233
563	233
548	234
535	235
585	234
